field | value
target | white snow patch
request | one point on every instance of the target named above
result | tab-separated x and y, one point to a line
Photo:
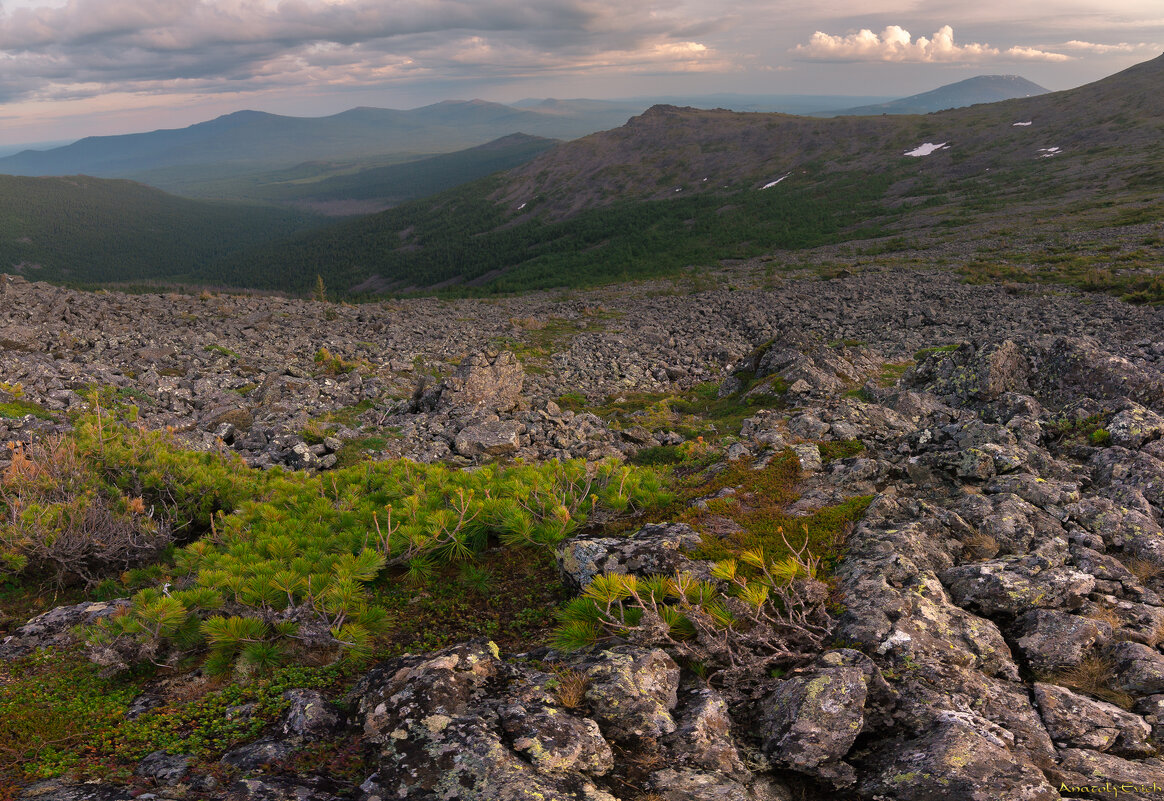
1048	152
522	206
926	149
778	180
1021	124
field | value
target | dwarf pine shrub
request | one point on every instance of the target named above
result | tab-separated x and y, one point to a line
287	559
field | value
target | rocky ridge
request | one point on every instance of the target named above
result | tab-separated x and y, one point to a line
999	616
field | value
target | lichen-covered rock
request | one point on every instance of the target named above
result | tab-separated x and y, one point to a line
1009	586
1120	468
282	788
1051	640
555	743
704	738
258	755
632	692
1072	367
811	721
655	549
1137	669
496	438
1074	721
1036	490
63	790
309	716
53	627
971	374
483	382
1134	426
1083	768
898	609
163	768
1152	710
961	757
693	785
461	723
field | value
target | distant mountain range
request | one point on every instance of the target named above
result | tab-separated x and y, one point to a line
238	155
676	187
671	188
252	142
982	89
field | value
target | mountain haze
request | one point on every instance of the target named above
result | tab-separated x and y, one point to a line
981	89
257	141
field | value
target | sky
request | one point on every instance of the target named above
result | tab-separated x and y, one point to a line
72	68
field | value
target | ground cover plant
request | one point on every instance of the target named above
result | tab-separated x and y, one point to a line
256	574
290	558
767	604
698	414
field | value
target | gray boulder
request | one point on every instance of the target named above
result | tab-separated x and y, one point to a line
694	785
652	550
497	438
483	382
461	723
812	720
1052	640
960	757
1074	721
163	768
971	374
632	692
258	755
1009	586
310	716
1138	669
53	627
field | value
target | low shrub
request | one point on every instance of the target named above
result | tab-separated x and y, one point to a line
288	570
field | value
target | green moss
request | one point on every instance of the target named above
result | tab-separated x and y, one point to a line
891	373
924	352
758	508
18	407
840	449
221	351
58	714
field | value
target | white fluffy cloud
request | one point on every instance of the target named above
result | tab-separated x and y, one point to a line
897	44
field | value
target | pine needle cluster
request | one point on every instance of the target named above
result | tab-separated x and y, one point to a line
280	564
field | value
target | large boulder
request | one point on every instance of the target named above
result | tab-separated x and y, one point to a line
632	692
309	716
1010	586
1052	640
1074	721
960	757
811	720
1071	367
461	723
496	438
973	374
483	382
53	628
652	550
1137	669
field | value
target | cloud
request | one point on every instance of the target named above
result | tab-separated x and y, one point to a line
1091	47
86	47
895	44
